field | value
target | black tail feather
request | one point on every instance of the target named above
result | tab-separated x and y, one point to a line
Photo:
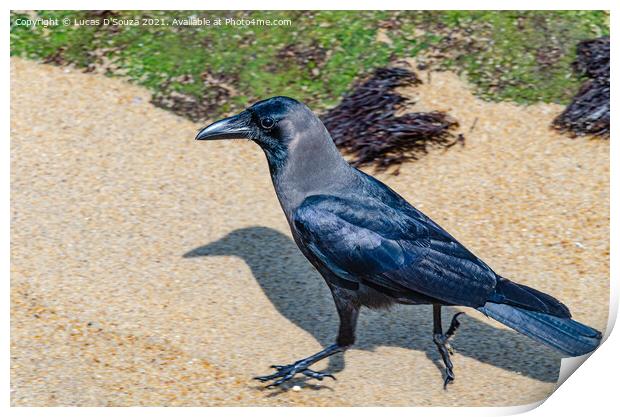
519	295
562	333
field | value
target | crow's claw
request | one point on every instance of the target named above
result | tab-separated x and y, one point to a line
286	372
449	378
454	325
318	375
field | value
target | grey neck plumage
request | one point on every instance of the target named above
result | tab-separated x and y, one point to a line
311	165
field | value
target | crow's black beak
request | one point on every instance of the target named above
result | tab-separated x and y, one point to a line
236	127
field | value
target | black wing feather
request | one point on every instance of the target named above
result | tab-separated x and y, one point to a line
366	240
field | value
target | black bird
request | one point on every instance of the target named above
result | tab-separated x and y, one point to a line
374	249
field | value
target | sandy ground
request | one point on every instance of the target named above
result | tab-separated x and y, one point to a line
109	193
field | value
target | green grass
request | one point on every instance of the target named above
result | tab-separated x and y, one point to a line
529	54
519	56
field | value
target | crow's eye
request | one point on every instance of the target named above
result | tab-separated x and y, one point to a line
267	123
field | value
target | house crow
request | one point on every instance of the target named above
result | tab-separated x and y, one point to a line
374	249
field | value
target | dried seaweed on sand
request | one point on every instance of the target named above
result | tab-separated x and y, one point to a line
366	126
588	113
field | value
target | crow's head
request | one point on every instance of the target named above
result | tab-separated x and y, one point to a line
276	125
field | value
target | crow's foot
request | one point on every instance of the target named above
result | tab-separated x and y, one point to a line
286	372
445	349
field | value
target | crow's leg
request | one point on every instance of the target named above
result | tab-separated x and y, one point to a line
441	340
348	313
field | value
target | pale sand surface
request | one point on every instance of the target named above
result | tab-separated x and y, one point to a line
108	193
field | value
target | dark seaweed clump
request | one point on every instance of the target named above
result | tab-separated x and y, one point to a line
588	113
365	125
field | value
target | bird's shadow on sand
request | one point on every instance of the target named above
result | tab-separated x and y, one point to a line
299	293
